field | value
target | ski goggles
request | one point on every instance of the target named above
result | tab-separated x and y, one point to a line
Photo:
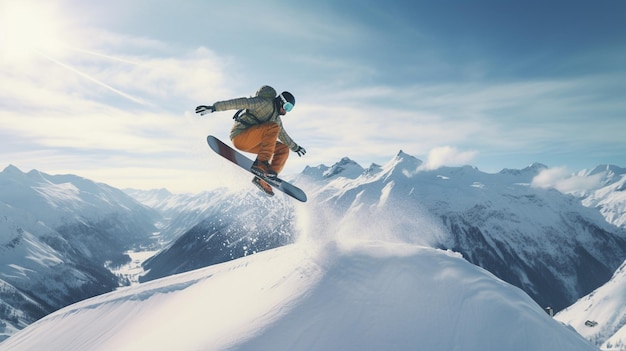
288	106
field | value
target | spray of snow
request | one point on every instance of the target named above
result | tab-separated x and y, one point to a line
322	225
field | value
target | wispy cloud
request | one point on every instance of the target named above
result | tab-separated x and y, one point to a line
447	156
540	117
94	80
106	113
565	181
120	88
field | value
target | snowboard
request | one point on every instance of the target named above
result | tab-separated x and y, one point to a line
242	161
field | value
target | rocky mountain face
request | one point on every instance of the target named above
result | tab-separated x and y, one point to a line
610	195
232	225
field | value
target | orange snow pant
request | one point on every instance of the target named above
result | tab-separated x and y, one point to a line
262	139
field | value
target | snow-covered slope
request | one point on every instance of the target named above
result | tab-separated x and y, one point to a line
601	316
368	296
56	233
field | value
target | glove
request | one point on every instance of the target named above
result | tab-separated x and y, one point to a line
300	151
203	110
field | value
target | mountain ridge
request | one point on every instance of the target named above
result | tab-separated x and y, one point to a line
57	232
356	199
472	212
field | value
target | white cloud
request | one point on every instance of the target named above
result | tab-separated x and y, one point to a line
348	124
563	180
58	120
447	156
340	112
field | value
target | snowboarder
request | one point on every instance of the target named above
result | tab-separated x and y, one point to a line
258	129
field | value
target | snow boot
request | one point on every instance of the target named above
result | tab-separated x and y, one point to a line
261	184
263	169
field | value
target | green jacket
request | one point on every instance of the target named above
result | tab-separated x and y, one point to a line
265	111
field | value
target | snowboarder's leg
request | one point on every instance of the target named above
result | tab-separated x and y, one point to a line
281	153
259	139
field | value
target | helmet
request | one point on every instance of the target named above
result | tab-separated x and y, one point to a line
287	96
286	100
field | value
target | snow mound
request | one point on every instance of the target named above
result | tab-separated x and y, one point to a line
369	296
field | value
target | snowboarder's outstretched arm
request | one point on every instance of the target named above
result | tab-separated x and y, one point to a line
264	107
260	106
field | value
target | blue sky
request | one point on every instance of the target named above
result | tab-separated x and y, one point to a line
107	90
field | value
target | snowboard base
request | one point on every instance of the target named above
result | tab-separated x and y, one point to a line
242	161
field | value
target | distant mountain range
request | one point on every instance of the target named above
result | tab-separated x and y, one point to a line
556	246
540	240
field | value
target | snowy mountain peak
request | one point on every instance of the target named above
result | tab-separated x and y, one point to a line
402	164
373	169
609	169
11	169
344	168
37	176
607	174
532	169
535	168
404	157
315	172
